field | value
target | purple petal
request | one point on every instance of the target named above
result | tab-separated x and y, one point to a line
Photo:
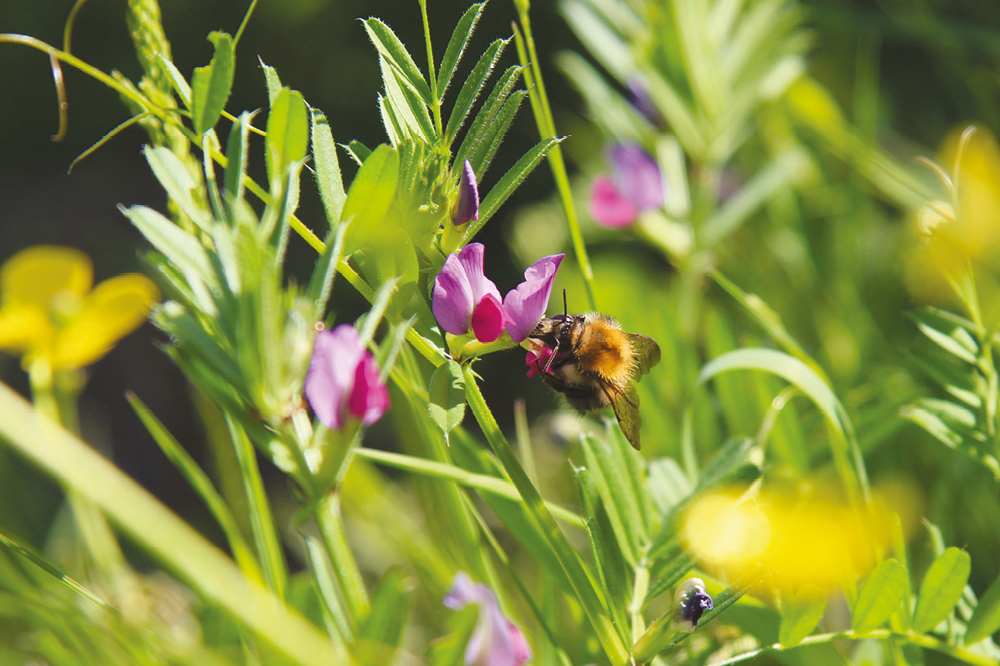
642	101
496	641
336	355
525	304
452	302
471	258
488	319
369	396
467	207
608	207
636	175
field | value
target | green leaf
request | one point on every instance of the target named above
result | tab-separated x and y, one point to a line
382	632
621	491
603	42
167	538
328	178
473	85
287	132
487	146
611	112
272	81
358	152
886	587
510	182
446	396
778	175
667	484
177	80
607	553
456	46
408	113
179	184
390	48
210	85
236	155
321	282
201	484
800	613
986	619
269	549
183	251
370	195
481	123
450	649
958	343
941	589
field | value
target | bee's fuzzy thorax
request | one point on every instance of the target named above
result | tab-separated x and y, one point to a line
604	349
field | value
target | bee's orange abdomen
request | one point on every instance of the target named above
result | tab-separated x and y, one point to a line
607	352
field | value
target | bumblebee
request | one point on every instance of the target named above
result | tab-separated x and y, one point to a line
594	363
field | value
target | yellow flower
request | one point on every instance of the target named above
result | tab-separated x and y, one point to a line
49	312
788	539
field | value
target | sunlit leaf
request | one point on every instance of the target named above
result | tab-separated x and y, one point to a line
287	132
886	587
456	46
210	85
941	588
800	613
446	396
390	48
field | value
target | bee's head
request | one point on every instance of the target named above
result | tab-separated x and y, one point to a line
552	330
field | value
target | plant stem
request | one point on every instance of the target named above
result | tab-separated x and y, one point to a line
547	130
431	75
345	567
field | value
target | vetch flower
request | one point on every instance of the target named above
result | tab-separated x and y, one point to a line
525	304
49	313
343	382
635	185
496	641
690	602
467	207
464	299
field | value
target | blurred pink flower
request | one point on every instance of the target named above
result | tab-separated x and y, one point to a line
465	299
343	381
525	304
635	185
467	207
496	641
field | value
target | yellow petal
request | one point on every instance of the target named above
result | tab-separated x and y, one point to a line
25	328
43	274
114	309
978	191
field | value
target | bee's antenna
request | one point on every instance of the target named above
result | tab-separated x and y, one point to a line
565	308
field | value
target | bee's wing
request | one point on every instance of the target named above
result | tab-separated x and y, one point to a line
647	354
626	406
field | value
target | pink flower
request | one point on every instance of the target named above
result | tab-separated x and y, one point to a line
465	299
496	641
526	303
635	185
343	382
467	207
537	358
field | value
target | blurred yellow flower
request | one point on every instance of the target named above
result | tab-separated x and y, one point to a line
49	312
789	540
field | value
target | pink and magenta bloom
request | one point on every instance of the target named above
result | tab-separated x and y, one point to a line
496	641
466	300
525	304
635	185
343	383
467	207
